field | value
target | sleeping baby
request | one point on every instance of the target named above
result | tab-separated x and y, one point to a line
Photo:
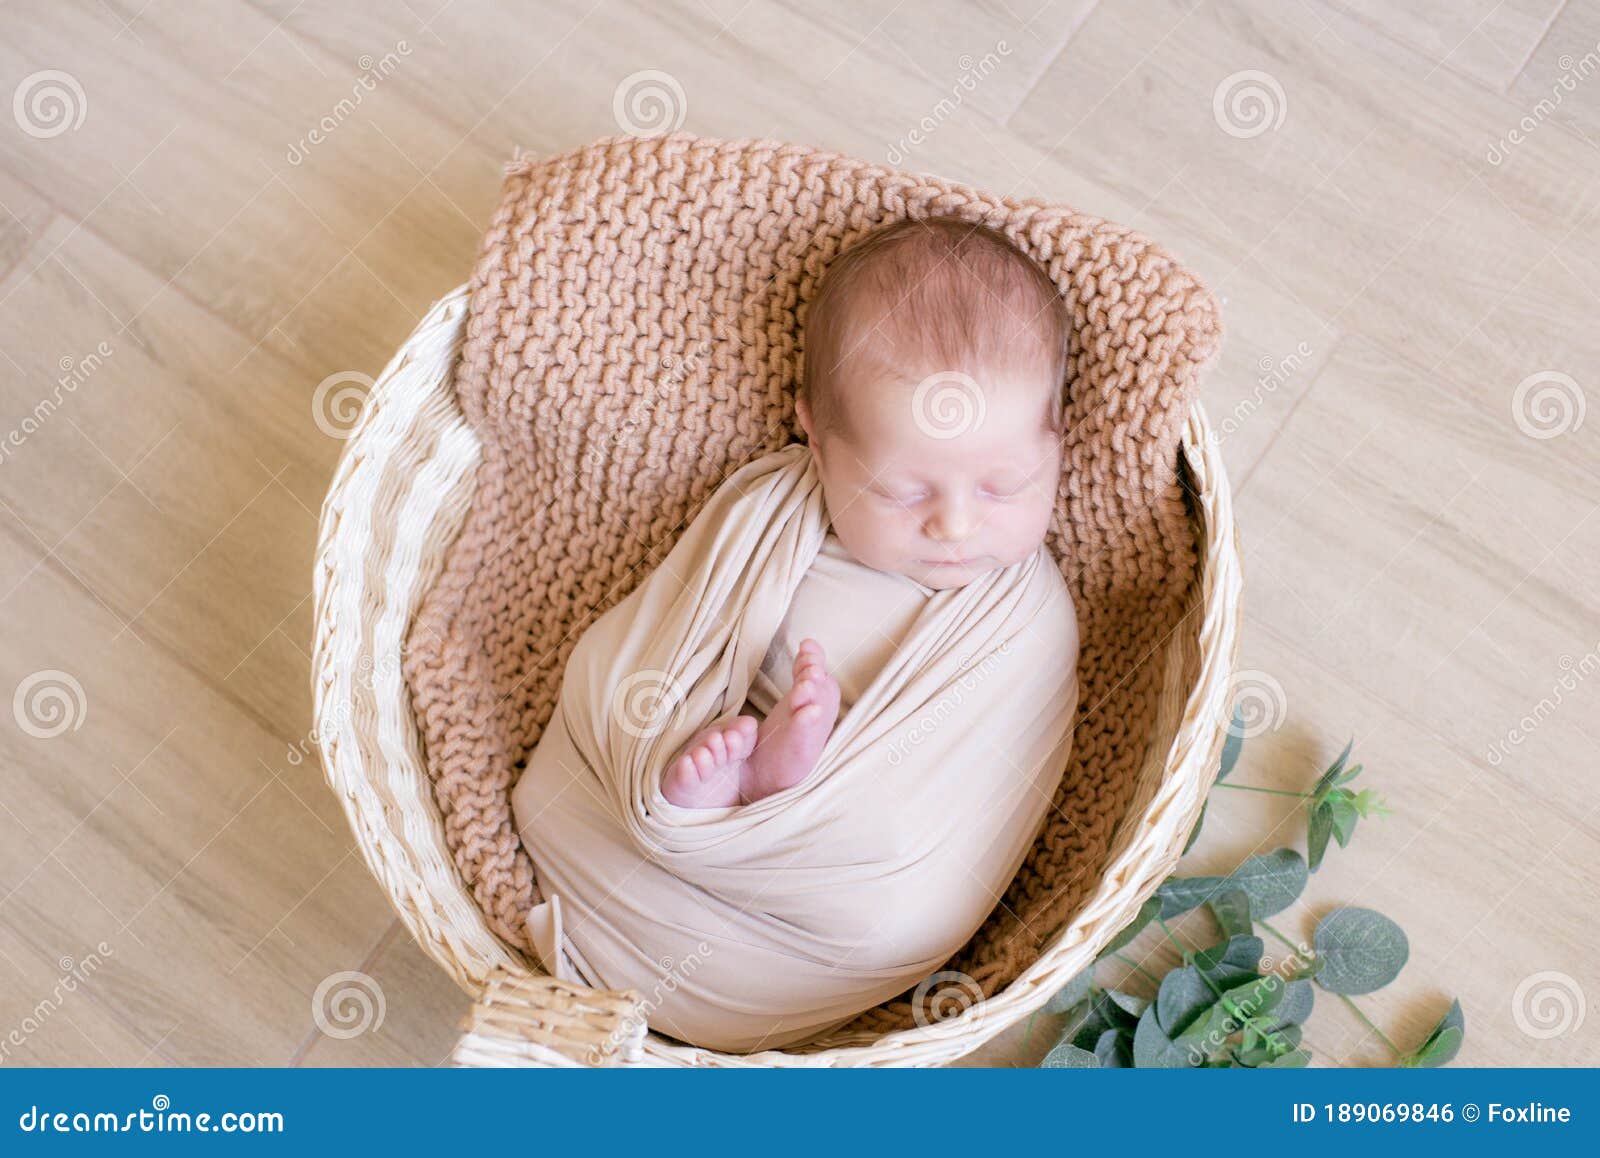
930	476
796	768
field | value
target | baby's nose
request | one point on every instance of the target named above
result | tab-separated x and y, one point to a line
952	522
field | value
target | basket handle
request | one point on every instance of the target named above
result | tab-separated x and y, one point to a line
526	1020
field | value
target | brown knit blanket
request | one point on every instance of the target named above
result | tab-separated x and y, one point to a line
634	337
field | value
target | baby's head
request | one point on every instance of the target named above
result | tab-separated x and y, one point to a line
933	399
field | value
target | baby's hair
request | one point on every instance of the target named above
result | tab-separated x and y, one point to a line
929	295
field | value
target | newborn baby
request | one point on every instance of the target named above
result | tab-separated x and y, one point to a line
793	771
932	401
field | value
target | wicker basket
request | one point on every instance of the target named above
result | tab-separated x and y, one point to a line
396	501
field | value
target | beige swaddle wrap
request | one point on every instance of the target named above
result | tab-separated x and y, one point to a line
760	925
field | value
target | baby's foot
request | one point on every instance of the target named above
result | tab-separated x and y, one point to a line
793	734
708	772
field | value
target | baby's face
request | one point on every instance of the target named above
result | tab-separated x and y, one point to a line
944	484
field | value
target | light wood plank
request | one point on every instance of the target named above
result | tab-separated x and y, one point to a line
167	825
1487	40
1436	554
1561	82
423	1010
1393	225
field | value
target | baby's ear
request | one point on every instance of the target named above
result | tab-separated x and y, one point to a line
802	410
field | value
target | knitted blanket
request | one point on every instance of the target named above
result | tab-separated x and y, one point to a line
763	924
634	337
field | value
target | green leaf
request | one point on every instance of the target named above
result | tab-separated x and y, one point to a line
1319	826
1294	1059
1255	1055
1338	764
1263	1050
1368	803
1238	957
1114	1014
1361	950
1232	745
1067	1056
1114	1049
1153	1049
1332	776
1306	969
1072	993
1344	815
1254	998
1231	908
1194	833
1147	913
1443	1041
1132	1003
1086	1030
1298	1000
1184	995
1273	881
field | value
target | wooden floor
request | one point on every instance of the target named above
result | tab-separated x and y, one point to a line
1399	212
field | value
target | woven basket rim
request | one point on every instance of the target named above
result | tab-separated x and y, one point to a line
372	756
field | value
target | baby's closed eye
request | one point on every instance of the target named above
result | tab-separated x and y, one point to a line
904	498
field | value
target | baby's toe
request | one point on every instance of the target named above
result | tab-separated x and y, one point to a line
741	738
